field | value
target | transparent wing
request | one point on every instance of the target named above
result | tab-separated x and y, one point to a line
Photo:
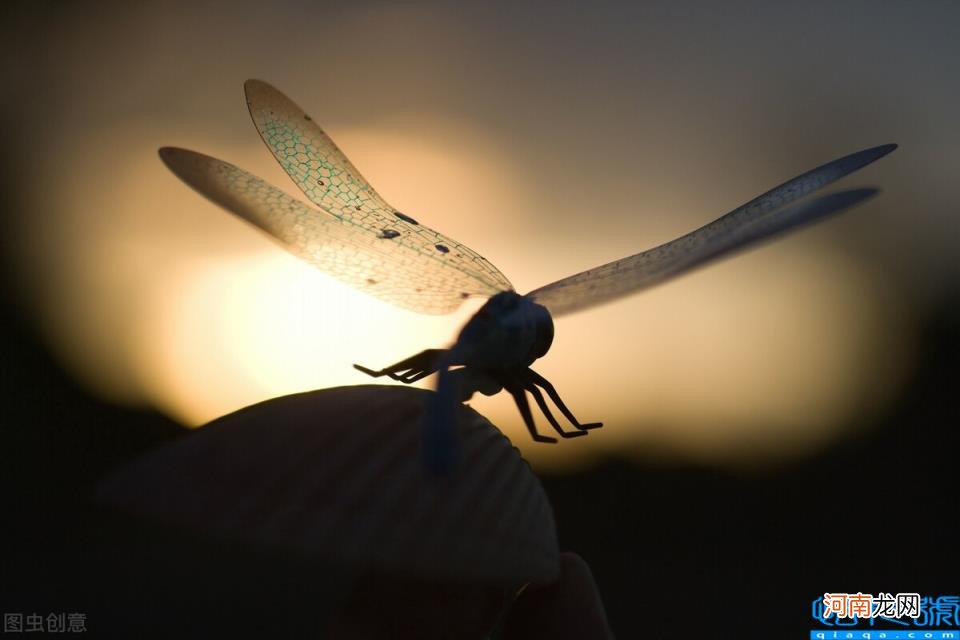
331	182
762	217
371	263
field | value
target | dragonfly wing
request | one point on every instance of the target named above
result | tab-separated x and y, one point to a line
374	264
330	181
762	217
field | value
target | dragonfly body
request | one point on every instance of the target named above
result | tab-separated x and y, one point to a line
493	352
354	235
508	333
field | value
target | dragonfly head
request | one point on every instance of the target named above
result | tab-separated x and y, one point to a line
508	331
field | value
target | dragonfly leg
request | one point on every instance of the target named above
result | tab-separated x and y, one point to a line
520	397
537	379
406	378
411	369
546	411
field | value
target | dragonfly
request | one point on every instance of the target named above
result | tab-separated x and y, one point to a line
354	235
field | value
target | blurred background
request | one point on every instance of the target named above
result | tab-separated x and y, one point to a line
762	415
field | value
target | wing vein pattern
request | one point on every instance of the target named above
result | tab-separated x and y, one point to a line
330	181
346	251
761	218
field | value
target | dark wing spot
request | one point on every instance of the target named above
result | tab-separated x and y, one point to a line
320	182
306	117
442	248
388	234
405	217
358	207
464	295
371	281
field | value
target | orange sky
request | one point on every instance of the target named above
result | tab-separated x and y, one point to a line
547	145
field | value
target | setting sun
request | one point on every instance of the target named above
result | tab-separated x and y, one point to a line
757	357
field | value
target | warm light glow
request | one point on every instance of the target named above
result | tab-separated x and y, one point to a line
234	332
758	358
159	296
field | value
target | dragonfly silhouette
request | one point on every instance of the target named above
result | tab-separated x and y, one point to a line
358	238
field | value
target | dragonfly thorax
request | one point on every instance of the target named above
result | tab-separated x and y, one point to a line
508	332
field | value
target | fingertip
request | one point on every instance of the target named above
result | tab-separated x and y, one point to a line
569	608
